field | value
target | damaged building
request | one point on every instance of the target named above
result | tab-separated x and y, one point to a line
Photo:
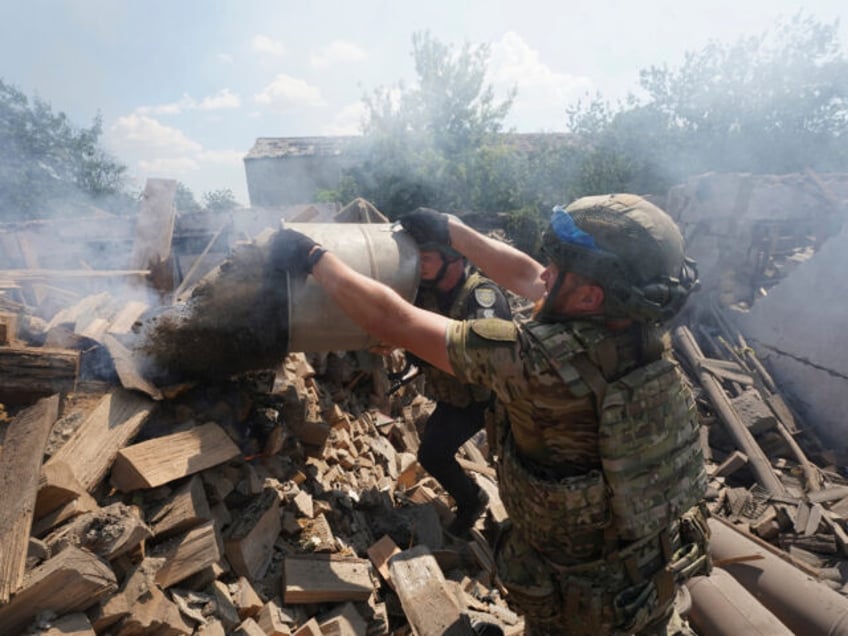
287	498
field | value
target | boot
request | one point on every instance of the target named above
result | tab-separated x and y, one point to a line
467	516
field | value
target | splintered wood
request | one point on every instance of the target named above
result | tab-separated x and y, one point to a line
290	500
22	449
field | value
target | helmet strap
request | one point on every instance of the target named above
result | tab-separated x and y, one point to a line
547	312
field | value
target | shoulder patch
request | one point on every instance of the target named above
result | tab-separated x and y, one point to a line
485	296
494	329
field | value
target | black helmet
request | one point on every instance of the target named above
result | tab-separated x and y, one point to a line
630	247
447	252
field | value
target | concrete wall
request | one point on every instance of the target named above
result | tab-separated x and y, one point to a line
800	331
277	181
794	320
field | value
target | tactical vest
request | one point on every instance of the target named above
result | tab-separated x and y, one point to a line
441	386
652	466
640	507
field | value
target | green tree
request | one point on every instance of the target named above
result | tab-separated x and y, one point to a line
431	143
772	103
221	200
184	199
43	156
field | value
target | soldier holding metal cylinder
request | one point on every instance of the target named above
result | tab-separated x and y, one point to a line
598	458
449	286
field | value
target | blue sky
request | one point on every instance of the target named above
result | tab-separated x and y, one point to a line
186	86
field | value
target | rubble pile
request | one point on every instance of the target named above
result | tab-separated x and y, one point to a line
270	503
288	499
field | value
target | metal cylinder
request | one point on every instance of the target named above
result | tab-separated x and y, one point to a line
722	607
802	603
247	314
380	251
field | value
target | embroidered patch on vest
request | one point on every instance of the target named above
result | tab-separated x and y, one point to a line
485	296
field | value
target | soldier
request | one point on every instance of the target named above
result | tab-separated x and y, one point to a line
449	286
598	459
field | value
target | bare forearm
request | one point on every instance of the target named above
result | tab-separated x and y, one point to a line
383	313
504	264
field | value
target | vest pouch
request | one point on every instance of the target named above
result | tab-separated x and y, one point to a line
559	509
533	591
650	449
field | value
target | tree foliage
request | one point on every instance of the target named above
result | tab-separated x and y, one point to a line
436	142
44	157
184	199
773	103
221	200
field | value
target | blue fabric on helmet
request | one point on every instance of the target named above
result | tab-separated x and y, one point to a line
567	231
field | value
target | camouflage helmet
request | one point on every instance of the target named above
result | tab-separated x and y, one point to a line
630	247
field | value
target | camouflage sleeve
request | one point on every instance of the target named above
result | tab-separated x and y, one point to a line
487	301
487	352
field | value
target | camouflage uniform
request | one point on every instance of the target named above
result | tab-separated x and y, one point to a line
460	408
599	467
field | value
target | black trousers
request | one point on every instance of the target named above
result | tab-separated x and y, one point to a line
448	428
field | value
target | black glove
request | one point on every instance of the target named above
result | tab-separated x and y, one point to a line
292	251
426	225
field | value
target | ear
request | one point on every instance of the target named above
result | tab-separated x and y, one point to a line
590	298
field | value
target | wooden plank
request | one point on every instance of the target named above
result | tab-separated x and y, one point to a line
733	462
82	312
380	553
309	628
109	532
270	619
495	505
248	627
57	486
22	450
427	602
39	371
71	581
250	542
8	329
326	578
127	368
160	460
483	469
246	599
188	507
188	554
141	605
123	321
92	448
155	231
82	504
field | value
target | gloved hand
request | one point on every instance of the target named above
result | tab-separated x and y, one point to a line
426	225
292	251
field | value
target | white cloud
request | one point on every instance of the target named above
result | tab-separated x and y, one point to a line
152	149
170	166
220	100
223	99
543	93
268	46
225	58
185	102
286	92
514	62
338	52
348	121
142	132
